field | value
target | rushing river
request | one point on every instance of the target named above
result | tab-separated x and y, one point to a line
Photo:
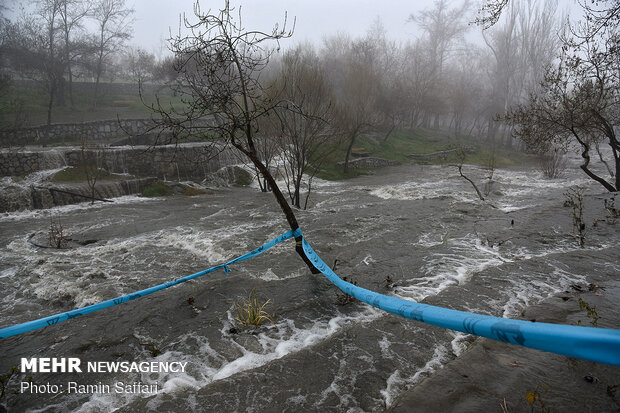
415	232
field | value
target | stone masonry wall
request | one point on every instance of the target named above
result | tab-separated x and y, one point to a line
87	131
369	163
183	162
23	163
180	163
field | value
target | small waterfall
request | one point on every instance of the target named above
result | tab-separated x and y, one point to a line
52	159
20	198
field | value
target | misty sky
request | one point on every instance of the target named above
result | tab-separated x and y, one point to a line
315	18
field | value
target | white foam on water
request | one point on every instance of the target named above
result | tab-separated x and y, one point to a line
268	275
540	287
90	274
519	188
8	272
507	207
432	239
205	365
398	382
299	400
68	209
393	388
467	256
410	191
289	339
368	260
459	343
384	345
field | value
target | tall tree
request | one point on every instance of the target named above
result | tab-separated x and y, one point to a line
354	79
114	27
443	27
302	119
5	79
138	65
32	47
72	12
49	11
522	47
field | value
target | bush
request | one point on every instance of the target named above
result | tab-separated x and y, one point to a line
157	188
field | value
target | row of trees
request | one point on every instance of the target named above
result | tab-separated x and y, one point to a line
439	79
54	41
296	106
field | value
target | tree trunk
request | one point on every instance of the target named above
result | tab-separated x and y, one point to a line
98	76
70	86
50	103
60	89
389	132
348	154
284	206
471	182
585	154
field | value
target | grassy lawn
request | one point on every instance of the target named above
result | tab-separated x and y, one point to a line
27	103
419	141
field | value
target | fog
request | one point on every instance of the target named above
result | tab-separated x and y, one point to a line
313	19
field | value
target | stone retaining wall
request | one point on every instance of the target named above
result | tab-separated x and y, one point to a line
98	131
175	163
369	163
22	163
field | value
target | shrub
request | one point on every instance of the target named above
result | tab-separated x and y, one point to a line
157	188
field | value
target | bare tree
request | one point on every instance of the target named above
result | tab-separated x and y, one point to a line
579	102
302	118
49	10
114	27
522	47
390	99
219	65
89	166
355	82
5	78
459	166
31	47
267	144
138	65
417	81
552	163
576	105
503	41
465	86
72	12
490	12
443	27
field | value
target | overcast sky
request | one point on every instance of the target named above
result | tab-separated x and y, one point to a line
315	18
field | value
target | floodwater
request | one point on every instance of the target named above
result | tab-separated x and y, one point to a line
412	231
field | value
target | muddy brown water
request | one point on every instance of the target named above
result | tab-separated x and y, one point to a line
416	232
